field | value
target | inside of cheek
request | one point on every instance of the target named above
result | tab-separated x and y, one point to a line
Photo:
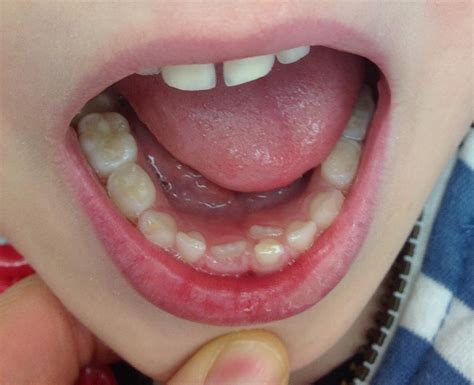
213	228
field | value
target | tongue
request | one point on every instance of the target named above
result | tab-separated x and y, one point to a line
258	136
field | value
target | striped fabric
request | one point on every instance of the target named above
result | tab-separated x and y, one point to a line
434	343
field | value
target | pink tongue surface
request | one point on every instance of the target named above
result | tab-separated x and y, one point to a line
258	136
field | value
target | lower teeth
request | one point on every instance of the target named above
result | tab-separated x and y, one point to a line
112	152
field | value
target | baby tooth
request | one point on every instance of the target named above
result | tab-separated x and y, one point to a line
340	166
191	246
229	250
149	71
159	228
362	113
325	207
300	235
245	70
268	252
103	123
190	77
106	142
131	189
292	55
260	232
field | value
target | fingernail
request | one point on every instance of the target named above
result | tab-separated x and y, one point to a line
247	363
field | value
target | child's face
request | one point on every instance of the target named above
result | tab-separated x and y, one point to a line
57	55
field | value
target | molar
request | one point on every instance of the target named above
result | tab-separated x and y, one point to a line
245	70
191	246
340	167
300	235
107	101
106	141
268	252
131	189
361	117
325	207
292	55
159	228
190	77
229	250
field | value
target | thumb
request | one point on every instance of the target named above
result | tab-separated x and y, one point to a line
249	357
41	343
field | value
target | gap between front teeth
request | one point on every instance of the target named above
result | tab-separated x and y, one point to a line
201	77
111	150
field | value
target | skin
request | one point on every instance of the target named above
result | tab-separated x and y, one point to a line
47	47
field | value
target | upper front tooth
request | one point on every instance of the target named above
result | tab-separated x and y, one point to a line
245	70
362	113
340	166
106	141
190	77
131	189
293	54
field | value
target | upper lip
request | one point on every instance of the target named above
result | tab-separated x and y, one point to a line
178	288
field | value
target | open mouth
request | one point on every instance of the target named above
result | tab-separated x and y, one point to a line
236	192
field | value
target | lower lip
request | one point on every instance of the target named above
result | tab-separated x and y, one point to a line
180	290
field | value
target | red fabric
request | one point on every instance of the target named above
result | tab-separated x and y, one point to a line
97	376
13	268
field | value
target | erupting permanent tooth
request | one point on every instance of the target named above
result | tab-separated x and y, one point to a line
106	141
105	102
300	235
268	251
362	113
340	167
293	54
149	71
191	246
259	232
229	250
190	77
159	228
325	207
245	70
131	189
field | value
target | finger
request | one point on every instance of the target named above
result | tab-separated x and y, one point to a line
40	342
250	357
